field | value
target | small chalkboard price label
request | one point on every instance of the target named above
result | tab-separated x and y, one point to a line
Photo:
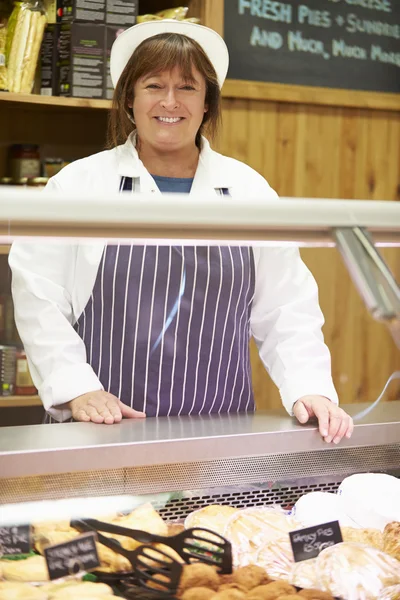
15	540
69	558
308	543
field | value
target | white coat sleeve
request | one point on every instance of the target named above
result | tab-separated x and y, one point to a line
286	323
42	274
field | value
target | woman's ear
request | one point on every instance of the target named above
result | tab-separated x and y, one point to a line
206	108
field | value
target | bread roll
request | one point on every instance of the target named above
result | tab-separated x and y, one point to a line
391	539
10	590
30	569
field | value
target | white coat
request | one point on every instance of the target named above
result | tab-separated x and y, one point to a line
51	285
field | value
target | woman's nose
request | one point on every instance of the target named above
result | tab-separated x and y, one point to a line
170	100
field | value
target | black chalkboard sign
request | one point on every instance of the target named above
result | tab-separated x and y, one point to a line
348	44
79	554
15	540
309	542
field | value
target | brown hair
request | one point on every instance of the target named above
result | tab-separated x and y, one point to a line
162	53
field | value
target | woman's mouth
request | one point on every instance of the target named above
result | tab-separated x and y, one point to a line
169	120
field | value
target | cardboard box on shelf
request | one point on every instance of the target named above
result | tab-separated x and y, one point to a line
53	11
81	60
49	61
121	13
92	11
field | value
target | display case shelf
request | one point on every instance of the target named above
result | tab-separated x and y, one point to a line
55	101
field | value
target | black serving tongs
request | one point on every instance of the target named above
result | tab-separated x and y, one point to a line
149	563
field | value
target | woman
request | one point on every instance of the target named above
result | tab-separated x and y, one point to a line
129	331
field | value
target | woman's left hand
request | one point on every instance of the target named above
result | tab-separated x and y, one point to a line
334	423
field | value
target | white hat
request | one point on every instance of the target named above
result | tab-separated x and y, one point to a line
127	42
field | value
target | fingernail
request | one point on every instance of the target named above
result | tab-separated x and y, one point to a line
324	433
328	440
336	440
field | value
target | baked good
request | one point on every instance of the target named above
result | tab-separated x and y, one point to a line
276	557
350	570
371	537
10	590
271	591
80	589
213	517
390	593
314	594
30	569
304	574
231	594
198	593
199	575
289	597
250	576
252	528
391	539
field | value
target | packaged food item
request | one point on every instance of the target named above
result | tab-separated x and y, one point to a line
81	58
7	370
276	557
24	161
120	13
24	385
3	69
24	38
354	571
144	18
178	13
53	10
49	61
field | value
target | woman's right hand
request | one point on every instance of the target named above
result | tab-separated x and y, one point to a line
101	407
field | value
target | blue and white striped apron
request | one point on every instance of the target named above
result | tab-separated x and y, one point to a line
167	328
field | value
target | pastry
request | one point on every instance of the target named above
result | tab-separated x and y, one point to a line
271	591
304	574
213	517
10	590
231	594
315	595
276	557
81	589
371	571
198	593
390	593
199	575
30	569
391	539
371	537
250	529
250	577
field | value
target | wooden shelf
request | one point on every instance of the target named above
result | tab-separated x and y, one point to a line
54	101
19	401
5	249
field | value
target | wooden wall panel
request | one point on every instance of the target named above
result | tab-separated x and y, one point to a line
327	152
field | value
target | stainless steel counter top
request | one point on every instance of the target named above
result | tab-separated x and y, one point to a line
72	447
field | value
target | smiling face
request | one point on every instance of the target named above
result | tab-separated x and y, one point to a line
169	109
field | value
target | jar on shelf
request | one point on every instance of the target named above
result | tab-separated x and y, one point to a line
24	385
38	182
24	161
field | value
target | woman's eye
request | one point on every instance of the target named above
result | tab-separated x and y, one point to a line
187	87
153	86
